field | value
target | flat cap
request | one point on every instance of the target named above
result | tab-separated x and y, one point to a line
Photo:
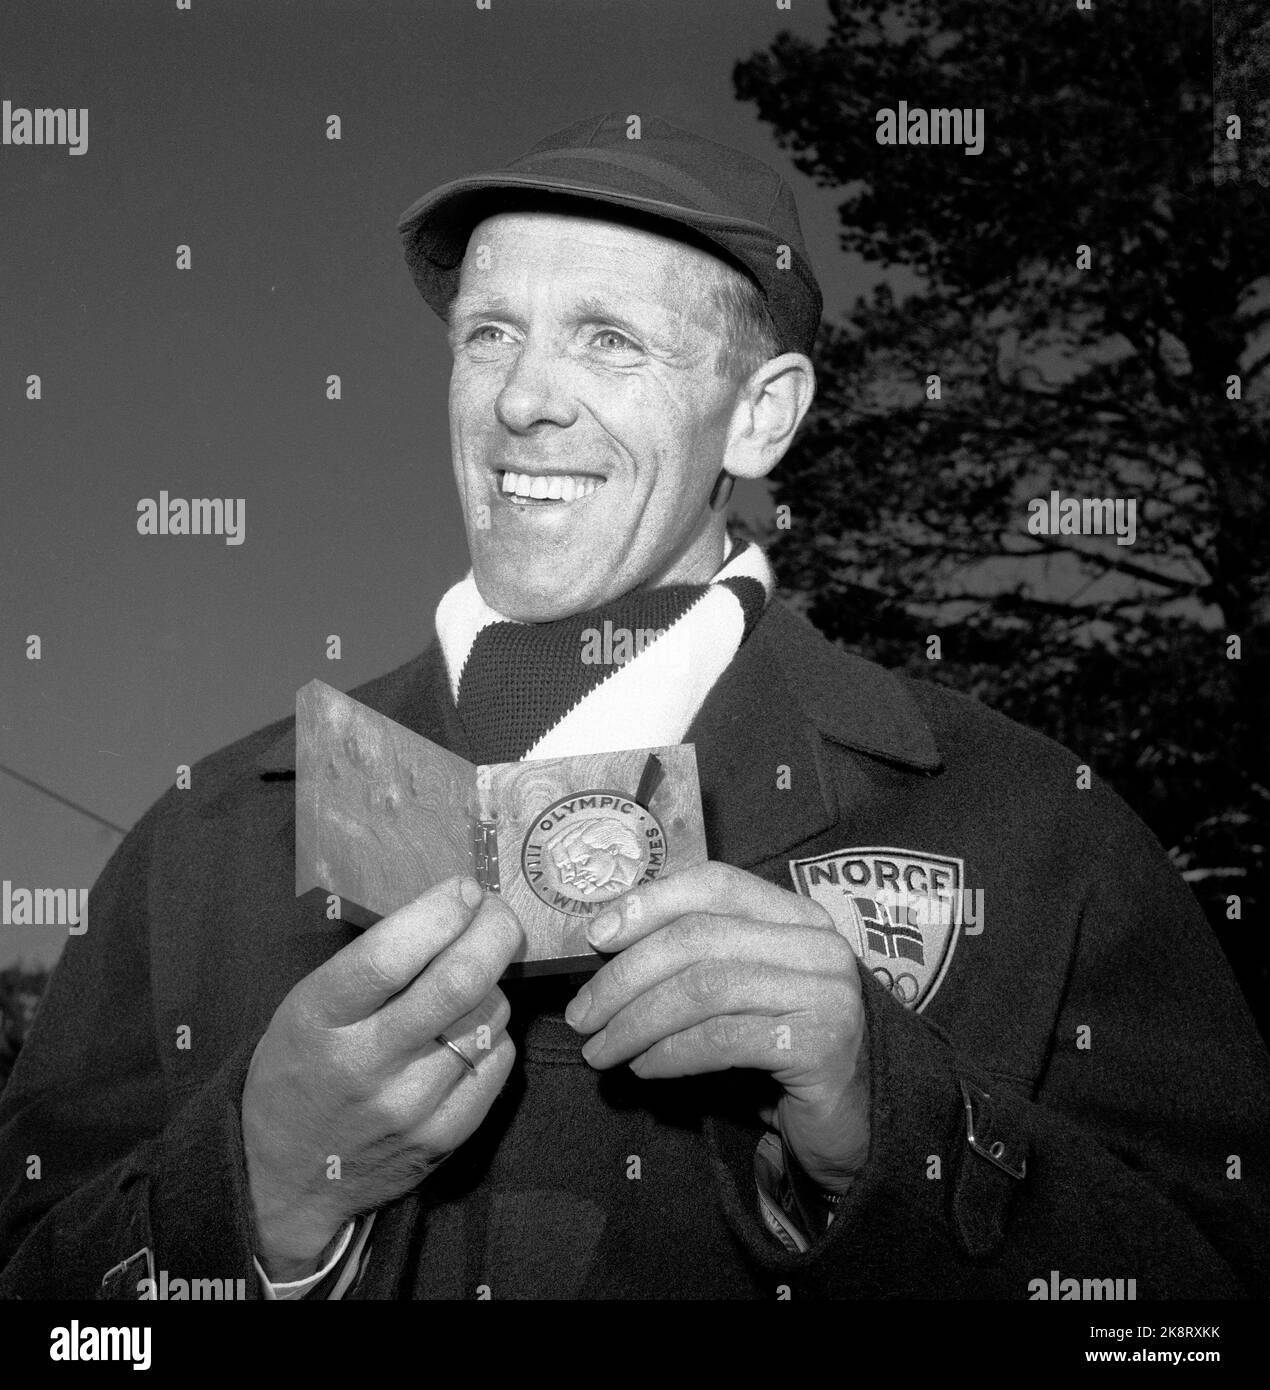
732	204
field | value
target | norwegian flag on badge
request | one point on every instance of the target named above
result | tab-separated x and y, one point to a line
900	910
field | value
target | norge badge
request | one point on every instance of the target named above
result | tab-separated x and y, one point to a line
900	910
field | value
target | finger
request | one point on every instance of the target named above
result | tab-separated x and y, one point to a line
702	937
468	1100
432	1088
400	1029
477	1034
477	1041
721	1042
432	1071
707	989
712	887
459	977
384	959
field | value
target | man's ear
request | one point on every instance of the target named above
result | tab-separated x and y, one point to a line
770	406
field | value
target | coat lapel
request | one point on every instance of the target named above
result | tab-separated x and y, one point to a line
766	783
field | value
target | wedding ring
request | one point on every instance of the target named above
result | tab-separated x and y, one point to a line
458	1052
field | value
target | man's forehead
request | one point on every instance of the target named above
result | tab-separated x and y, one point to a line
645	266
599	225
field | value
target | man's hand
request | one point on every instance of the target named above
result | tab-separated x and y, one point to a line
717	968
350	1069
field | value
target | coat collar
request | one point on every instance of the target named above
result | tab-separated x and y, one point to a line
787	690
850	700
766	784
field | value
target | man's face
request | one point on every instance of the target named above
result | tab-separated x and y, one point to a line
586	419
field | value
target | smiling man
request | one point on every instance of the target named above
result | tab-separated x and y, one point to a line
589	416
935	1020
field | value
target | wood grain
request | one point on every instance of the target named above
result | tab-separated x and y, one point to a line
381	813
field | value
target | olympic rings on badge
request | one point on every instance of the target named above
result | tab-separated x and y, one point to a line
904	987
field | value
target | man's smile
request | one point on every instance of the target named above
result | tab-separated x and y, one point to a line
528	489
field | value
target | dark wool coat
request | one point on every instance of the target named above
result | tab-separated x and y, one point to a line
1091	1033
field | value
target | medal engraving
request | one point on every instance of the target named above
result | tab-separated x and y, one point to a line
584	850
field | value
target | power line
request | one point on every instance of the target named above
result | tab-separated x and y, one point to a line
65	801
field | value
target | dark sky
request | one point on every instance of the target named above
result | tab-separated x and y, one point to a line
207	128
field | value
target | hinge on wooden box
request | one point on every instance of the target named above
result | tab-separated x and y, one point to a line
485	853
484	834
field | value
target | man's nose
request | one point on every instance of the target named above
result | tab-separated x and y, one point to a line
535	390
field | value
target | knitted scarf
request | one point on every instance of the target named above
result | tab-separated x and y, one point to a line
631	673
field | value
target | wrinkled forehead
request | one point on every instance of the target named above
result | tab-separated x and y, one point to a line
585	252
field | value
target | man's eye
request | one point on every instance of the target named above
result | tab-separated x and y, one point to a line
482	334
614	341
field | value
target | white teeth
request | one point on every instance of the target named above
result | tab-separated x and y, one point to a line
561	487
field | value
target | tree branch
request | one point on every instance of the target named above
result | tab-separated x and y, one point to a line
1111	562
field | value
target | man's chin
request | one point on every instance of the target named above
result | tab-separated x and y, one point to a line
520	599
